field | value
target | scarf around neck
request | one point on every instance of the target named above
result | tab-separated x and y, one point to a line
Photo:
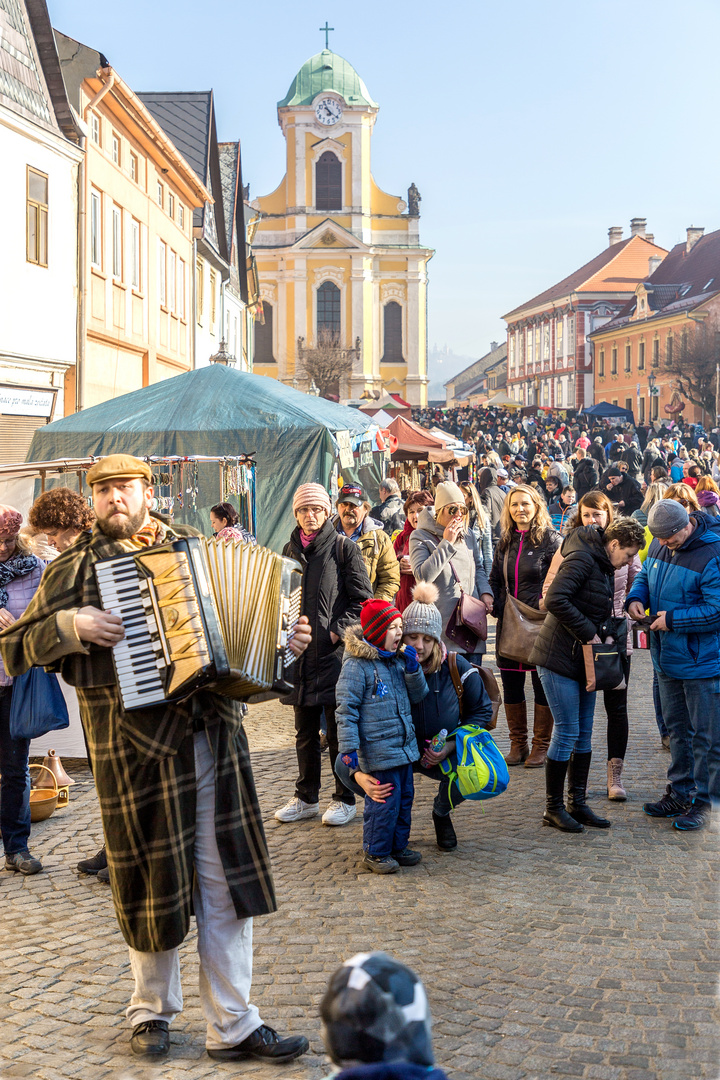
18	565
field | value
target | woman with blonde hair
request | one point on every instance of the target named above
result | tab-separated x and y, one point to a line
656	491
683	494
524	553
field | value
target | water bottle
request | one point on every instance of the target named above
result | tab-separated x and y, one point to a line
438	741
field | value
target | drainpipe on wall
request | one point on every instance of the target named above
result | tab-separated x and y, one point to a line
107	77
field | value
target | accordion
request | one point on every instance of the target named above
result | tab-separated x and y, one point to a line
201	613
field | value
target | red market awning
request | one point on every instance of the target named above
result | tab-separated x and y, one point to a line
415	443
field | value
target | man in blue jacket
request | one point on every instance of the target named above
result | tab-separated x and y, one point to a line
680	583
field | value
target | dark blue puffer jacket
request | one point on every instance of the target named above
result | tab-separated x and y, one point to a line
686	585
397	1070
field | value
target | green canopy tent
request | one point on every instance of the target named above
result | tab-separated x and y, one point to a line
219	411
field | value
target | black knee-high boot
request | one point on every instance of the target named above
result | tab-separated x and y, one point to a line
577	792
555	812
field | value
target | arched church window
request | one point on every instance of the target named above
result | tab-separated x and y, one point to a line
328	182
392	336
264	337
328	308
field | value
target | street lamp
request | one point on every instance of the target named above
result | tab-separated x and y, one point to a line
654	391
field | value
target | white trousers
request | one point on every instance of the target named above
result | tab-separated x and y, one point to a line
224	941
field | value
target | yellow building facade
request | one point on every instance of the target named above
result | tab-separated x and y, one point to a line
137	195
336	253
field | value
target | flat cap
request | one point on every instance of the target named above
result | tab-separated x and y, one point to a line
116	465
666	518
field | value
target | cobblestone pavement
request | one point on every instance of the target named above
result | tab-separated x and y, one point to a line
543	954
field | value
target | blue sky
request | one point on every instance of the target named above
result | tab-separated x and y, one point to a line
528	127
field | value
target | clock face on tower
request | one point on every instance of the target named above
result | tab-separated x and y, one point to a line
328	111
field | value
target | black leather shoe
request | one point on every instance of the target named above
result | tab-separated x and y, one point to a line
444	832
265	1044
104	875
23	862
151	1039
408	857
93	865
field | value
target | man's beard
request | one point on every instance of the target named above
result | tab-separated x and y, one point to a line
120	526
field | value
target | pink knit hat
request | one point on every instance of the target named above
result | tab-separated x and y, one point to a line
311	495
10	521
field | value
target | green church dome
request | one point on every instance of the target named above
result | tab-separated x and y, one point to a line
327	71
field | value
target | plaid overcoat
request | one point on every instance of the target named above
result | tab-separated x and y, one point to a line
144	767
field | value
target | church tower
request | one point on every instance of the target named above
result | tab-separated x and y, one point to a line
339	261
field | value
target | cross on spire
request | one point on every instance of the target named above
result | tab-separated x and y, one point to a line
326	31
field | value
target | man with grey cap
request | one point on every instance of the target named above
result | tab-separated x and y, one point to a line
680	585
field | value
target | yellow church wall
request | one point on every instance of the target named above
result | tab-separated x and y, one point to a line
274	203
392	224
392	266
381	202
315	219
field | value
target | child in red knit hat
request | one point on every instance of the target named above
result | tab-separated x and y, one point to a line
376	734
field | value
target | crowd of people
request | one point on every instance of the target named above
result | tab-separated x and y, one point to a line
568	537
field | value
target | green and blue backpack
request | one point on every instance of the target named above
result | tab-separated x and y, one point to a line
476	764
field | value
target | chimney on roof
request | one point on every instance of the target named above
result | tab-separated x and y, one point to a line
653	263
693	235
637	226
614	235
650	237
493	346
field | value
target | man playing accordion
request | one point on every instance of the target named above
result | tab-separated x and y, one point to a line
158	771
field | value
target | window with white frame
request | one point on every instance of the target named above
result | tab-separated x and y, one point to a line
37	217
529	353
116	149
559	394
171	205
135	253
160	194
172	278
571	335
559	337
117	250
162	257
96	228
511	351
536	343
134	167
181	215
546	341
181	289
95	128
213	300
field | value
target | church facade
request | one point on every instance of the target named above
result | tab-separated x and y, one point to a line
340	263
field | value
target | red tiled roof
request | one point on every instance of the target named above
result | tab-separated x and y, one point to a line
574	281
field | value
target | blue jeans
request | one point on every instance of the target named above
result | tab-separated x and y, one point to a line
386	826
15	787
658	707
691	710
573	709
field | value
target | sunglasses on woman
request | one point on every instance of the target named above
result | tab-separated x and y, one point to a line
455	511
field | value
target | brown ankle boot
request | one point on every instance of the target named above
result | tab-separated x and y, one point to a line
516	716
542	730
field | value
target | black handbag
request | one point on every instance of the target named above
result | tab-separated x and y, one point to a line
606	663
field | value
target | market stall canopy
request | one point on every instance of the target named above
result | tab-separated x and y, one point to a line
416	443
382	419
217	410
604	408
390	403
502	399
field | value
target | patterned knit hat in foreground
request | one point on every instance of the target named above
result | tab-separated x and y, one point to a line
375	1009
421	616
311	495
376	617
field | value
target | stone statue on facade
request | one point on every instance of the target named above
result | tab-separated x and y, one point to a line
414	200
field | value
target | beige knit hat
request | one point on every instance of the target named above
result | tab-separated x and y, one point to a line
311	495
448	494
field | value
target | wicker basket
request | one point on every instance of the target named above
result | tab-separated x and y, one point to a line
43	801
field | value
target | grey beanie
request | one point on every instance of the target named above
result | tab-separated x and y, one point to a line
666	518
421	616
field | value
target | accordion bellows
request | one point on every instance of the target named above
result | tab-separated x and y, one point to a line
257	602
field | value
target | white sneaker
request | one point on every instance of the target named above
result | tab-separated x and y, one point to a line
297	810
339	813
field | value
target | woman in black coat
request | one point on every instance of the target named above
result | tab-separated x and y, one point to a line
579	602
335	584
529	541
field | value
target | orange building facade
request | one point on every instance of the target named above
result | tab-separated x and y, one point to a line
673	317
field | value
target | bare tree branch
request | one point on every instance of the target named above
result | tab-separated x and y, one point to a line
327	363
691	359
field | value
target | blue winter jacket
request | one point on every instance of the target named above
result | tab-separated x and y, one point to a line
686	585
373	697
